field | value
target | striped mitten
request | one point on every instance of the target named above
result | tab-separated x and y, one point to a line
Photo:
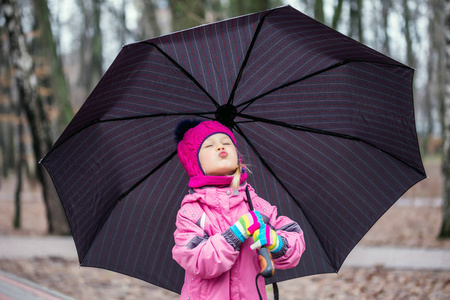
266	236
246	225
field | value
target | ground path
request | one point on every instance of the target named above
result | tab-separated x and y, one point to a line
18	247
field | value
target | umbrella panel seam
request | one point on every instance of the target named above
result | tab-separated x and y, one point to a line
247	57
185	72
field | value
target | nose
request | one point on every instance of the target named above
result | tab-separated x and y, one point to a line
220	147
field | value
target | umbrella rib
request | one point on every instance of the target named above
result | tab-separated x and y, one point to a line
249	102
271	171
153	116
166	160
124	194
247	57
185	72
124	119
325	132
266	164
296	127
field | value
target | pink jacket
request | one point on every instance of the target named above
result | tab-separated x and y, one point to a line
217	265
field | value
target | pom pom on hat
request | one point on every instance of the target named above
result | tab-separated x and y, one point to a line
182	127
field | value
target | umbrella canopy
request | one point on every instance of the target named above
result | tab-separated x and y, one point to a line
325	123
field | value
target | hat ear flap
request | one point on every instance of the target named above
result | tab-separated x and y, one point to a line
183	127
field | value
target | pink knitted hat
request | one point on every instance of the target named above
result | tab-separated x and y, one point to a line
190	142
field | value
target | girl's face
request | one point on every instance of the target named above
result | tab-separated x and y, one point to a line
218	155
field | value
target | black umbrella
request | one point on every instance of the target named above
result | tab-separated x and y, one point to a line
325	123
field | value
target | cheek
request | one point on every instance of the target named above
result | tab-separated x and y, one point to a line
201	155
236	157
205	159
201	158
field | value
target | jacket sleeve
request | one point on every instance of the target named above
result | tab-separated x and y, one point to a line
289	231
199	254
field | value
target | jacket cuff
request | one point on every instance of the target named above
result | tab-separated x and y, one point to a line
233	240
283	250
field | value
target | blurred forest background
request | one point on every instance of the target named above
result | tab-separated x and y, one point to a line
53	53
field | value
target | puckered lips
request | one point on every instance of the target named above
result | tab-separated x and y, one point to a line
223	154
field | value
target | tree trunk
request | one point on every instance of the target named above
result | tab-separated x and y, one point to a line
443	21
319	15
32	105
410	59
429	93
45	48
356	29
360	22
17	221
97	46
91	46
123	24
435	88
445	229
385	9
337	14
83	79
6	112
7	161
7	142
213	11
148	25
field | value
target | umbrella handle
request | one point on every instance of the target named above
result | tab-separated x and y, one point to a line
266	262
265	259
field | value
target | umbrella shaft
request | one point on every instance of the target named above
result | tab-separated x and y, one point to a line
249	199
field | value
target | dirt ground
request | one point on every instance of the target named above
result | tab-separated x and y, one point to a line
414	223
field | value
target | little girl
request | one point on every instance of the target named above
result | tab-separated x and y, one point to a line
214	223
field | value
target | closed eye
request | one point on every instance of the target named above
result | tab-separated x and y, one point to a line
226	141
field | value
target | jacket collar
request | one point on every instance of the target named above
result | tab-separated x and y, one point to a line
208	194
217	181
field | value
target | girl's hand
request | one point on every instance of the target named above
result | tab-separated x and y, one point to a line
246	225
265	236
